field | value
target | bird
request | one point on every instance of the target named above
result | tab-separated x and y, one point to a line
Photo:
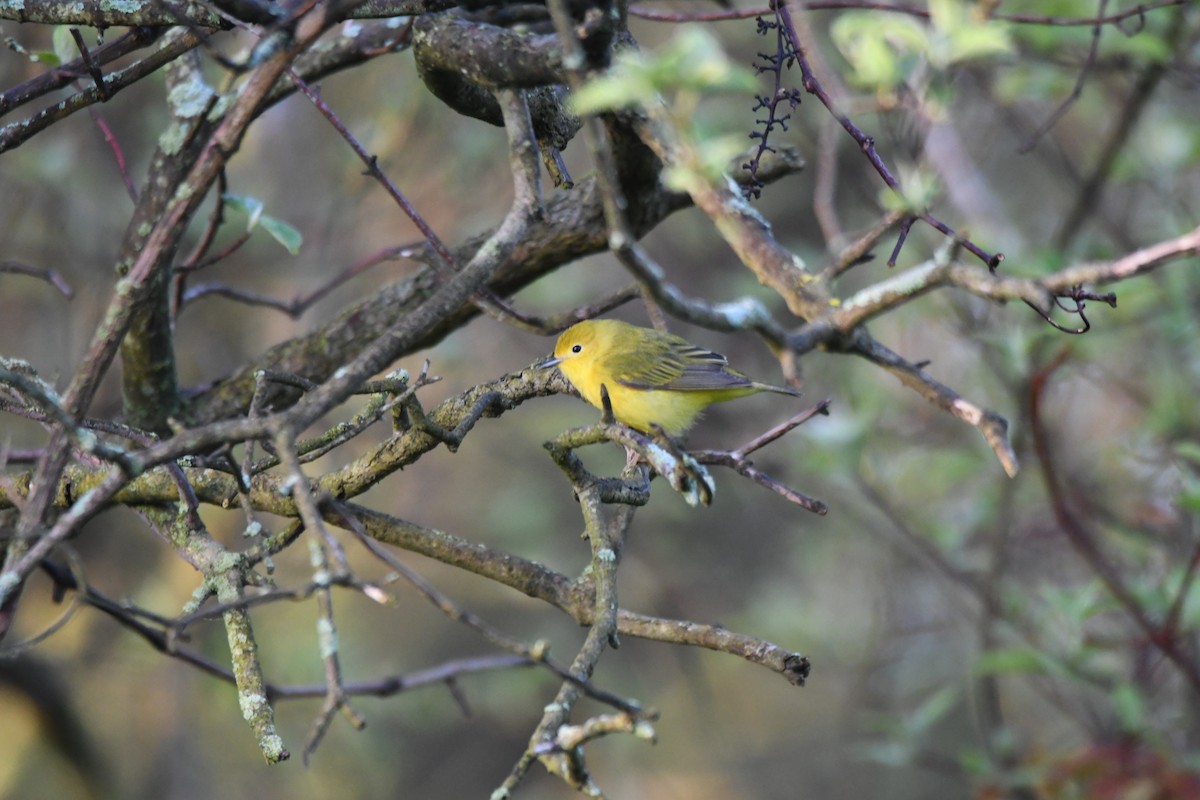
652	378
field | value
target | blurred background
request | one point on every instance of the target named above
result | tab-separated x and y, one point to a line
960	645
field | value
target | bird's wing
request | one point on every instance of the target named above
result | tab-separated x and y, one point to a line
671	363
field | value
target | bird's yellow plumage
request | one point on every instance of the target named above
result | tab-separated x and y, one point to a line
651	376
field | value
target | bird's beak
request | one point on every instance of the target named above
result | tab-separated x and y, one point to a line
549	362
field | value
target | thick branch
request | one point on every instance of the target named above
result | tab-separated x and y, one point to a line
101	14
461	63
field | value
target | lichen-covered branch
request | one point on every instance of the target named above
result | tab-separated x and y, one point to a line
100	14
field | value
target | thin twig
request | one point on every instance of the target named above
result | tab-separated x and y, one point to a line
50	276
1076	91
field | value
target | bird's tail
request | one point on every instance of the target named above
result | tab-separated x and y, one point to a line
766	387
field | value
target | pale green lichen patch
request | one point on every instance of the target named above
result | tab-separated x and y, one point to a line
644	730
227	561
743	312
201	593
272	748
122	6
327	638
171	140
251	704
190	98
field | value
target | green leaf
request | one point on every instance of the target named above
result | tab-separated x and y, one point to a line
918	190
1146	47
932	711
694	59
677	178
979	41
964	35
1189	451
1189	494
283	233
1077	604
691	61
252	207
1130	707
875	64
279	230
947	16
714	154
621	87
881	52
64	44
1016	660
976	763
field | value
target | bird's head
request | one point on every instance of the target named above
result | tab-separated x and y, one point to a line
575	342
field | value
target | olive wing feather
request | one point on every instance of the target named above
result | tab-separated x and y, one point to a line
671	363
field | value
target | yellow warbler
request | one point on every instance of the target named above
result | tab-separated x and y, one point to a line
651	376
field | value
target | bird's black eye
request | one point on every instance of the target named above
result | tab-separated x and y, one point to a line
577	348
